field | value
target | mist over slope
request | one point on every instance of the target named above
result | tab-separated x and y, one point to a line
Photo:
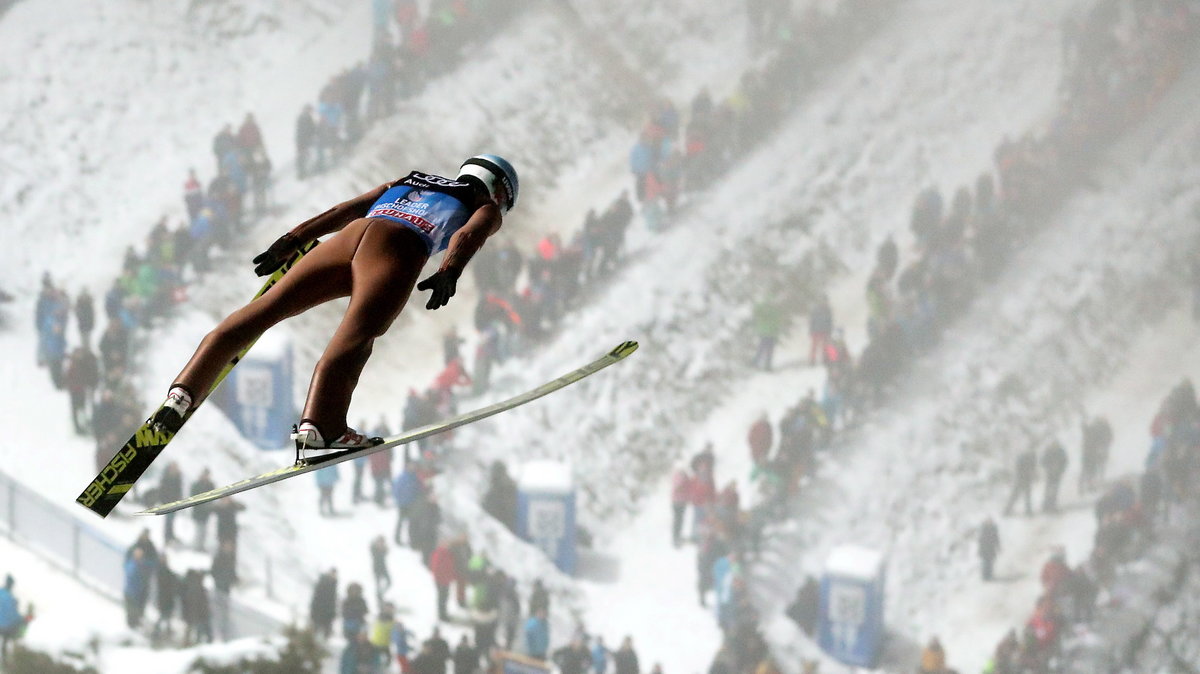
101	117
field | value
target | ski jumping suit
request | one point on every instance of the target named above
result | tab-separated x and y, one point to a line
375	260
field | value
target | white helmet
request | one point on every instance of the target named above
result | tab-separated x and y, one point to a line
492	170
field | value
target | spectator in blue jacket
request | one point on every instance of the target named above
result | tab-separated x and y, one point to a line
599	656
48	304
641	160
11	621
405	489
537	635
137	587
54	346
326	478
400	641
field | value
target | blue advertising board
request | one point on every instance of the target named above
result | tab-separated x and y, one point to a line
257	394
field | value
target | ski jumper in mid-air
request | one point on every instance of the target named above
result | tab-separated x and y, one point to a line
383	240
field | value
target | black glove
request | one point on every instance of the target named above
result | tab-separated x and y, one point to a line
274	257
442	283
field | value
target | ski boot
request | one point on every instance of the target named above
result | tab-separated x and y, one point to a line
308	436
174	410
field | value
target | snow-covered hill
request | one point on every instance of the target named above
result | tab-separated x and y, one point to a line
1085	320
104	114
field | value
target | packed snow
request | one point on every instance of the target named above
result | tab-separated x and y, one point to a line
104	113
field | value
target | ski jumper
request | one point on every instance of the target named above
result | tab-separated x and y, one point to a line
374	259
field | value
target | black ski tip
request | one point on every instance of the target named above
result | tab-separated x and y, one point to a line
99	507
624	349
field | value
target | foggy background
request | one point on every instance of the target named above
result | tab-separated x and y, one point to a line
898	269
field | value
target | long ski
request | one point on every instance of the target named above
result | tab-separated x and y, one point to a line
117	477
317	462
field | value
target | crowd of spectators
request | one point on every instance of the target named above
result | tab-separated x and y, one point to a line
523	296
1128	60
1105	89
969	242
955	251
726	539
103	402
1129	512
469	588
200	596
151	283
471	591
677	155
408	47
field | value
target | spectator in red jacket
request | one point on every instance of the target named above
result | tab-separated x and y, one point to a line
703	497
1044	624
441	565
1054	571
549	246
380	464
703	490
454	374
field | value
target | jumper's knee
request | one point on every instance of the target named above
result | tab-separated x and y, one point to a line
227	336
345	358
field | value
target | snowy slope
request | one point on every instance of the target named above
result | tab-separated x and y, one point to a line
166	161
923	103
863	158
104	113
1072	315
84	627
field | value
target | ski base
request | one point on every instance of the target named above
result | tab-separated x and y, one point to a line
122	471
317	462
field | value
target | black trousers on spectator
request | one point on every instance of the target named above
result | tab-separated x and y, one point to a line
677	511
510	634
1085	609
168	528
135	606
989	564
198	632
1018	489
1050	498
6	638
381	489
383	580
765	353
485	637
359	467
443	595
401	515
79	409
